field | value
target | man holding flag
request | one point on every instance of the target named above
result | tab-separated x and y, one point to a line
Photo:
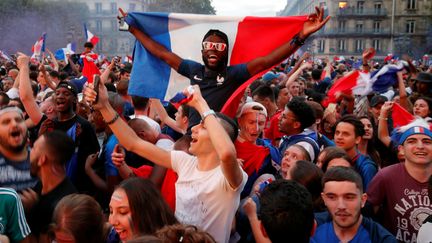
216	79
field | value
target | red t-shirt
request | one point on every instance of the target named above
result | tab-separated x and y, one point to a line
405	201
272	131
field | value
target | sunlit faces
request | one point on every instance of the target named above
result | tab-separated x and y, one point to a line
291	155
251	126
417	149
200	140
120	215
13	131
294	88
344	201
63	99
368	128
288	123
421	108
213	58
345	137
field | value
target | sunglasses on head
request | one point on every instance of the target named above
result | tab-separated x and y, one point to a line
207	45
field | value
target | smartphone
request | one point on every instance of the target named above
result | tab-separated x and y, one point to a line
96	81
123	26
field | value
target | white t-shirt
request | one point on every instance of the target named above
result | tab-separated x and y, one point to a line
150	121
205	198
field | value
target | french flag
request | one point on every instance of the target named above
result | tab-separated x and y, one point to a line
39	46
361	83
400	116
61	53
249	37
90	37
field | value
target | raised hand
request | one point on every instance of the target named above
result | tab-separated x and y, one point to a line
314	23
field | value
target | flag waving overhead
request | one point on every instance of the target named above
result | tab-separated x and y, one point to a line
90	37
39	47
249	37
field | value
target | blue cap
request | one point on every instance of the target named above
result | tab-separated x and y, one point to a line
269	76
413	131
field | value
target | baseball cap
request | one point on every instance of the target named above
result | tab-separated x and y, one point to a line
68	85
253	107
377	99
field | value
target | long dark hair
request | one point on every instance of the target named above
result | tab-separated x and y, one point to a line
149	210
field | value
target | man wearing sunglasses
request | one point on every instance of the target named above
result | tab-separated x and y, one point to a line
216	80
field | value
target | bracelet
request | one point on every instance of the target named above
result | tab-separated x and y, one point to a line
382	118
116	117
297	40
206	114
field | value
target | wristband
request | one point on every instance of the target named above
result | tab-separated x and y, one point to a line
206	114
382	118
116	117
297	40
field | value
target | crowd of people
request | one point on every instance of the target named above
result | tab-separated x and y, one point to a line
84	161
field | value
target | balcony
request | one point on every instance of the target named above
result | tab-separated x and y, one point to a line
361	12
353	32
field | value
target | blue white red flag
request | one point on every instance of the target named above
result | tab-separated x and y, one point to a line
90	37
362	83
249	37
61	53
39	46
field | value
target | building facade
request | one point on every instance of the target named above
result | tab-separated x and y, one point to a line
390	26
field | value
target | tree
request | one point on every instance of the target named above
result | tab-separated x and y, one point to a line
183	6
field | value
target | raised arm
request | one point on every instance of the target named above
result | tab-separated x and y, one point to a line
53	60
47	77
158	50
221	142
25	90
163	115
126	136
104	76
314	23
383	133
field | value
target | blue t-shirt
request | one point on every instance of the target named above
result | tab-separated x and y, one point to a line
110	168
16	174
216	87
326	233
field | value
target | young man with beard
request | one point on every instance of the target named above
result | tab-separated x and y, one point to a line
343	195
80	130
209	181
14	154
401	190
217	80
48	157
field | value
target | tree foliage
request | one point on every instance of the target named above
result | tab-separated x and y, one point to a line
183	6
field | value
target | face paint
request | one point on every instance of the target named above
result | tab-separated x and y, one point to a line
117	197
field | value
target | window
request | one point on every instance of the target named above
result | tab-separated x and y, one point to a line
98	7
360	6
411	4
376	26
376	45
343	4
132	7
410	26
98	25
113	8
359	45
113	25
321	45
359	28
342	25
341	45
378	7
